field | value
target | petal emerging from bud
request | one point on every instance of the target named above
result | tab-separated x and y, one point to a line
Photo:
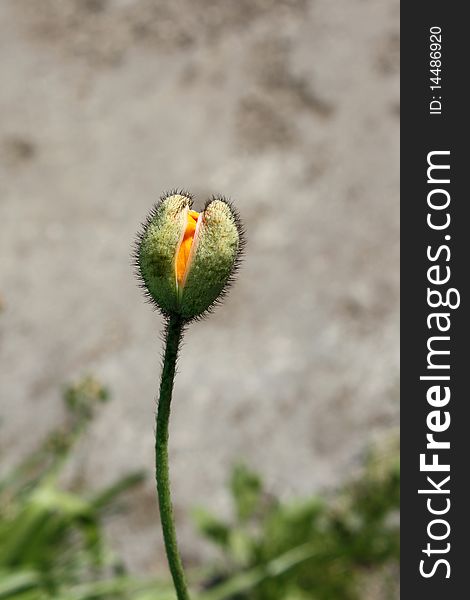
187	258
185	246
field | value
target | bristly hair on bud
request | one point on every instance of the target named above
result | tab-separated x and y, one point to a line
186	261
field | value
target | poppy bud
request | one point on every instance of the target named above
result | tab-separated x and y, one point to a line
185	259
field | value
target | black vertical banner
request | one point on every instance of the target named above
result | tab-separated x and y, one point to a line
435	352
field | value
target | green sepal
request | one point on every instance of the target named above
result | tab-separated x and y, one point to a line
158	247
214	257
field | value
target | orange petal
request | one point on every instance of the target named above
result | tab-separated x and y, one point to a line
185	247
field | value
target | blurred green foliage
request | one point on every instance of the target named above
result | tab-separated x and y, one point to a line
51	541
318	548
330	548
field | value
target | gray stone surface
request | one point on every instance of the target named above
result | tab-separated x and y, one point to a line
288	107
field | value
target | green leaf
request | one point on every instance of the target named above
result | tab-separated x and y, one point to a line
212	528
246	490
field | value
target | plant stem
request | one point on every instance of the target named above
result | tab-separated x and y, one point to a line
174	333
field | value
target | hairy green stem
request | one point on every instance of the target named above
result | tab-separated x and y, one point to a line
173	338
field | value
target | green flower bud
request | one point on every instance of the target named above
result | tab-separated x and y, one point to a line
186	259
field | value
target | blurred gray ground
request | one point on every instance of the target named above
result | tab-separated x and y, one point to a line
288	107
